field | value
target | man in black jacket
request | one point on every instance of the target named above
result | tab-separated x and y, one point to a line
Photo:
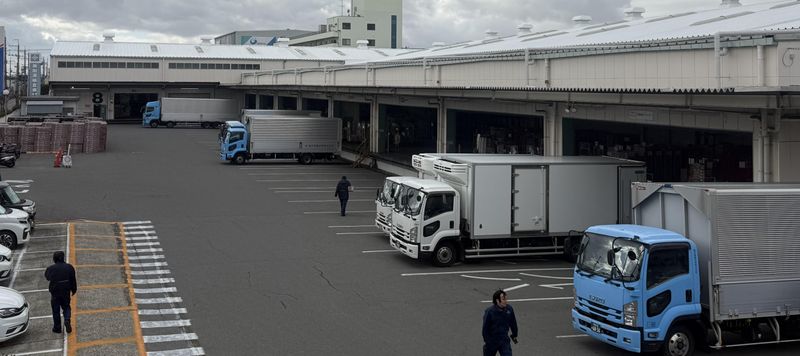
343	192
497	320
62	283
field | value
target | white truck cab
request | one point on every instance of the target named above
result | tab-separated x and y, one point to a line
385	202
428	214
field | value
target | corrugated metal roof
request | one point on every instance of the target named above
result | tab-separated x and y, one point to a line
213	51
773	15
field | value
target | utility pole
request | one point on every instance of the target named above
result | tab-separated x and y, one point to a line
16	87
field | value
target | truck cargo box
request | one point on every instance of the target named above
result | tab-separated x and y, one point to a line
294	134
748	240
198	110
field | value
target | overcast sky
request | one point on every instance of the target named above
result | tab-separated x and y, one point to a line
38	23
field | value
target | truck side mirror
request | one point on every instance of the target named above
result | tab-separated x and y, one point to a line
610	257
378	193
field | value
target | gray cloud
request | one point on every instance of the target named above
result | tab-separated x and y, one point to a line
37	23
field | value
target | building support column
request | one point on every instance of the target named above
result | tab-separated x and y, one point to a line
330	108
553	132
441	126
766	150
275	101
374	129
299	99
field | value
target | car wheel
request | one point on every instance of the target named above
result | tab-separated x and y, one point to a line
153	124
445	254
170	124
679	342
11	163
306	159
8	239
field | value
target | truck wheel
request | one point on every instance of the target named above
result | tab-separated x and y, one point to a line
239	159
679	342
154	124
306	159
445	254
8	239
170	124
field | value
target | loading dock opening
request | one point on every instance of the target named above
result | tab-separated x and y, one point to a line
320	105
406	130
671	153
355	123
287	103
130	105
484	132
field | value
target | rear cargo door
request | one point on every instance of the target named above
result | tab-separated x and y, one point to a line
528	196
628	175
492	201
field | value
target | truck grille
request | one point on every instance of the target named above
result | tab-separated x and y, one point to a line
399	233
600	312
382	219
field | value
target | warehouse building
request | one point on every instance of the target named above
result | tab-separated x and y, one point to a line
707	95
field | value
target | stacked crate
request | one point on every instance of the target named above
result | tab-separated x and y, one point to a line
61	136
27	137
95	137
44	138
77	136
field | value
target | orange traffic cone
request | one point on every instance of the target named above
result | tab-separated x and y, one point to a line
59	157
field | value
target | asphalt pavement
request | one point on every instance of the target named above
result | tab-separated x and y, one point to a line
264	265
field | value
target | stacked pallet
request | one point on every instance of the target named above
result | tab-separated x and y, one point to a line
77	137
95	137
10	134
27	137
88	136
61	136
44	138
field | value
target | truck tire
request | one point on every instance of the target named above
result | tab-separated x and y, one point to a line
154	123
445	255
170	124
239	159
679	342
8	239
306	159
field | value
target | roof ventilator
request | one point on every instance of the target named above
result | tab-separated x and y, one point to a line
437	44
582	20
490	35
362	44
205	40
730	3
634	13
108	37
283	42
524	29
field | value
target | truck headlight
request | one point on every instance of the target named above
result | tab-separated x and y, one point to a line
27	209
412	234
630	312
389	218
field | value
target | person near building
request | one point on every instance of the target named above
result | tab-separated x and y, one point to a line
498	319
62	284
396	140
343	189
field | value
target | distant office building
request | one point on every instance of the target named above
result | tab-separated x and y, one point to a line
252	38
378	22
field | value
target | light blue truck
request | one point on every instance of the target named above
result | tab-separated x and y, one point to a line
303	136
709	264
180	111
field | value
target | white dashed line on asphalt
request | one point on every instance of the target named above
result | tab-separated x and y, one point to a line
379	251
516	287
328	201
361	233
485	271
338	212
490	278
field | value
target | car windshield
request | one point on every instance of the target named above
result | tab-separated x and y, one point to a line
389	192
593	257
11	195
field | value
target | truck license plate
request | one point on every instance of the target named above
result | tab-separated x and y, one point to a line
596	328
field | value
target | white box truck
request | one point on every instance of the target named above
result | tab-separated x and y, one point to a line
303	136
703	258
485	205
206	112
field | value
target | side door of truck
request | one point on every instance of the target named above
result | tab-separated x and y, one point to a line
439	215
669	286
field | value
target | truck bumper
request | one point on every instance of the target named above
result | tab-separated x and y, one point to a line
383	226
407	248
625	339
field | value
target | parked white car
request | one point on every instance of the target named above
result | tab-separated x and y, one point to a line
5	263
14	315
14	227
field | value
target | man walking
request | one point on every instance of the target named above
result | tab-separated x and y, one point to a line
497	320
343	192
62	283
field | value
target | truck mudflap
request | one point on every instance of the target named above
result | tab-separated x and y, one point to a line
626	339
408	249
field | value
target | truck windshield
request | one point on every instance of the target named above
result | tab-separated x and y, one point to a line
593	257
388	192
149	109
11	196
234	137
410	200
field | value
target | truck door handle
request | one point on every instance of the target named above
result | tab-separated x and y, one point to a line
451	224
688	295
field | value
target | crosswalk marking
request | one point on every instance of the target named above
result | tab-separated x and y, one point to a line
155	290
149	273
153	281
146	257
143	238
136	222
149	264
135	244
139	227
164	323
194	351
167	338
159	300
171	311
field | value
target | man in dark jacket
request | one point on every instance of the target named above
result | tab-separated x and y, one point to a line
62	283
343	192
497	320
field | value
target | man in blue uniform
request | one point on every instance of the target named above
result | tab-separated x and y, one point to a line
343	192
62	282
497	320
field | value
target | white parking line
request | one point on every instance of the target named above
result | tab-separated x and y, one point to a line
153	281
33	291
555	286
379	251
310	180
338	212
164	323
137	222
314	188
162	311
152	264
532	299
307	173
30	269
490	278
194	351
35	252
484	271
348	226
19	181
516	287
361	233
570	336
138	227
38	352
548	277
149	273
159	300
328	201
16	266
317	191
155	290
167	338
47	237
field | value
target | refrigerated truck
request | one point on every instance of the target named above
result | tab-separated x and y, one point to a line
206	112
287	135
702	257
489	205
